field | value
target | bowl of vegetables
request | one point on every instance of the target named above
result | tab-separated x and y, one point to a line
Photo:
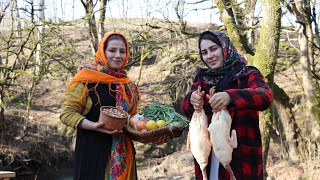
154	121
113	118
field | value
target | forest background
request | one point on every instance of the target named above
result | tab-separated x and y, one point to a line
43	43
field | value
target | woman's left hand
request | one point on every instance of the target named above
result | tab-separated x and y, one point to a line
219	100
161	140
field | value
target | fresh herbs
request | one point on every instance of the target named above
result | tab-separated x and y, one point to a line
157	111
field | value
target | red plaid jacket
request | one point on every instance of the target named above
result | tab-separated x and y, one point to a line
249	95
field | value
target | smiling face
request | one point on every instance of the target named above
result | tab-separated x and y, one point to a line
115	53
211	54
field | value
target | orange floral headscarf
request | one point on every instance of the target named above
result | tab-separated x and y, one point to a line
100	54
93	72
99	72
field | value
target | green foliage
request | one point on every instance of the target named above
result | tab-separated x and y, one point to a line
157	111
20	71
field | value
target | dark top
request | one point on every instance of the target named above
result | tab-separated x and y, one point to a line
93	148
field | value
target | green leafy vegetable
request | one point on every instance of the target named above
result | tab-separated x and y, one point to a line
157	111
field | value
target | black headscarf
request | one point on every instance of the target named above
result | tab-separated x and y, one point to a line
234	64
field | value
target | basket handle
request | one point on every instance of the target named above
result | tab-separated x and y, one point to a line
128	118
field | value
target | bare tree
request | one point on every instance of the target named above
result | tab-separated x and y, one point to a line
40	33
249	20
17	16
89	8
73	10
233	24
3	9
316	25
302	11
103	4
179	10
265	60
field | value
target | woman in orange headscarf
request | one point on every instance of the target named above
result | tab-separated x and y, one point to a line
100	153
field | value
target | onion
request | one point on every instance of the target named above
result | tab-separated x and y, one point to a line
134	120
141	125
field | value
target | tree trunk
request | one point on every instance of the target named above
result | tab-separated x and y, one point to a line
306	72
2	117
315	101
91	20
2	108
40	34
288	130
267	50
316	26
306	57
265	60
19	34
62	9
267	119
250	6
309	33
144	54
233	30
102	18
55	11
73	10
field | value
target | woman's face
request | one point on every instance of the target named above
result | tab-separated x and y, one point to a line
211	54
116	53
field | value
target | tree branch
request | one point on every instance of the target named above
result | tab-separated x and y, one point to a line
3	11
198	2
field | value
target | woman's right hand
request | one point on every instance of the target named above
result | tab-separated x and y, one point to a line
97	126
197	100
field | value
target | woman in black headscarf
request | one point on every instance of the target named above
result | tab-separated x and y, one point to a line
239	88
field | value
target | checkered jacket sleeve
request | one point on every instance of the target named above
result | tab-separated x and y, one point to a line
253	94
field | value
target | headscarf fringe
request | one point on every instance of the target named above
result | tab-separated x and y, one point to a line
72	86
95	91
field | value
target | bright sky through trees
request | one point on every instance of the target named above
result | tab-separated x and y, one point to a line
62	9
193	12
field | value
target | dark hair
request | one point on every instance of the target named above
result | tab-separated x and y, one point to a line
208	36
115	37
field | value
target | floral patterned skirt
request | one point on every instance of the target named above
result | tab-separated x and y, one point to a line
103	157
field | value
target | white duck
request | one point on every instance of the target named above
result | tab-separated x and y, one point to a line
222	144
198	139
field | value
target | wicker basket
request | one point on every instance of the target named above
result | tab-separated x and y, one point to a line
154	135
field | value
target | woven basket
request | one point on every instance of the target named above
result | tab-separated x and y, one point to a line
154	135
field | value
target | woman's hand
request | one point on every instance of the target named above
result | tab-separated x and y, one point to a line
219	100
197	100
163	139
97	126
